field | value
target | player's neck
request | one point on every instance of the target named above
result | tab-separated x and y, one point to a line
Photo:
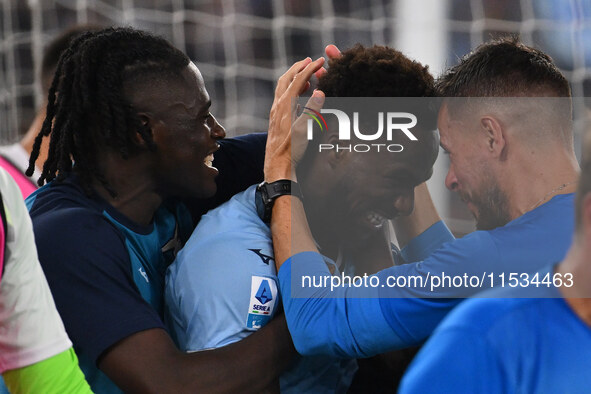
136	196
533	184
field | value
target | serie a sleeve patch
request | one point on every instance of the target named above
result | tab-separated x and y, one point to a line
263	297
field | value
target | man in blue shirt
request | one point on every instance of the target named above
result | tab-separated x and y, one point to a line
512	162
502	344
223	285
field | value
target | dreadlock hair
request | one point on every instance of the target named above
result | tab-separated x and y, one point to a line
51	54
87	109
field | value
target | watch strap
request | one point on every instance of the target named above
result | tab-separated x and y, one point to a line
267	193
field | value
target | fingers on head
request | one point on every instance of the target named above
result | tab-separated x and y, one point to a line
285	79
296	80
316	101
321	71
332	51
301	80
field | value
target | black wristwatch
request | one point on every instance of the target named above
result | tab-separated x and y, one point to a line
268	192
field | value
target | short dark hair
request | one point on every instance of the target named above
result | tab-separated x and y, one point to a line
57	46
503	68
381	71
377	71
87	109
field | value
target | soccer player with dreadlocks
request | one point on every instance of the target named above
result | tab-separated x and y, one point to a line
132	134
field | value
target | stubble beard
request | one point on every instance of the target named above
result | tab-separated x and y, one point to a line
492	204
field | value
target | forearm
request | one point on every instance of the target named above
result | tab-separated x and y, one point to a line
340	321
286	144
149	362
290	230
250	365
423	216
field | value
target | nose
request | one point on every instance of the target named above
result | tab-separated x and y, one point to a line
451	182
405	202
217	130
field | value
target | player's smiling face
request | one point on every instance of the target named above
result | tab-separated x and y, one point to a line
379	186
469	175
186	133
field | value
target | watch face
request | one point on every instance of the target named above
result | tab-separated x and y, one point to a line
260	205
263	190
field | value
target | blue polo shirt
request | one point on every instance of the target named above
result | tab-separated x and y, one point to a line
364	321
501	344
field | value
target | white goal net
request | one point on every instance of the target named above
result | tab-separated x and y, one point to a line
243	46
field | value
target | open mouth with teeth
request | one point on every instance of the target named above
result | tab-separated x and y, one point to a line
375	219
209	160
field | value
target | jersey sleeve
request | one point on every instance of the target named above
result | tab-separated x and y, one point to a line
208	289
401	310
30	326
88	268
336	323
422	246
417	296
240	163
55	375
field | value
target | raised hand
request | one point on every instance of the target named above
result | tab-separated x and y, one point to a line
286	142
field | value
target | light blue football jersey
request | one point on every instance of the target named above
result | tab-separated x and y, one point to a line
223	286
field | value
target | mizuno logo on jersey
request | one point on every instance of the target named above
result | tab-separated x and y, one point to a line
263	257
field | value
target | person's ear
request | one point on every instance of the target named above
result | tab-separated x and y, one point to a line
144	129
494	135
